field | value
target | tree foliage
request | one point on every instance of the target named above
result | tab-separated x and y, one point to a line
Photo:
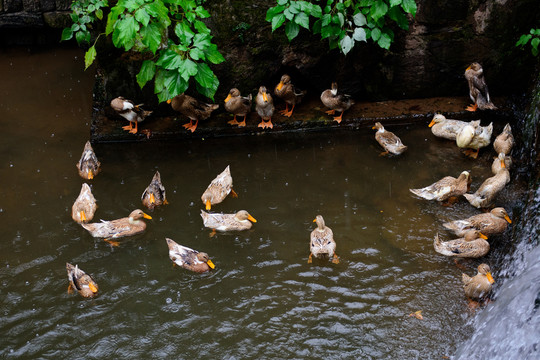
534	37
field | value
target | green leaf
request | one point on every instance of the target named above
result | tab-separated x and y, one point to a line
201	41
151	36
326	19
112	18
302	19
288	14
157	9
330	31
359	19
317	26
209	91
147	72
316	11
213	55
409	6
291	30
184	33
294	7
395	2
89	57
359	34
79	36
188	69
534	43
67	34
378	10
346	44
204	75
132	5
282	2
201	27
99	14
273	11
399	17
524	39
169	60
201	12
196	54
375	34
125	32
142	16
277	21
384	41
175	83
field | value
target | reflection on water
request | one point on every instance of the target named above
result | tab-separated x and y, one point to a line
263	300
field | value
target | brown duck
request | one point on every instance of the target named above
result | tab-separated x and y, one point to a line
129	111
188	258
285	90
494	222
484	196
472	245
154	195
194	109
445	188
478	286
388	140
127	226
80	281
478	89
88	165
504	142
85	206
322	243
238	105
336	101
264	104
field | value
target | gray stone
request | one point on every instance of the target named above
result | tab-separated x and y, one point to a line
21	20
57	19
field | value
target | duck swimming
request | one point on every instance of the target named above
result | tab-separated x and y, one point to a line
322	243
474	136
388	140
504	142
129	111
80	281
446	188
484	196
264	104
127	226
88	165
218	189
478	286
494	222
478	89
188	258
499	162
85	206
447	128
237	105
285	90
336	101
472	245
194	109
228	222
154	195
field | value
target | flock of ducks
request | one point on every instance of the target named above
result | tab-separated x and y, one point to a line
473	231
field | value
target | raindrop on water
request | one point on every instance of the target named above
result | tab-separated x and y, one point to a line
169	300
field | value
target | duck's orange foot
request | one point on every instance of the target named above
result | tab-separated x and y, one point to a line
335	259
233	122
269	124
112	242
450	201
128	127
188	125
213	233
242	123
310	258
147	132
234	194
288	113
472	153
262	124
384	153
472	107
330	112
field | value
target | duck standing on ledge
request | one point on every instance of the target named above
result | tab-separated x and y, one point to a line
478	89
88	164
264	104
238	105
286	91
194	109
129	111
336	101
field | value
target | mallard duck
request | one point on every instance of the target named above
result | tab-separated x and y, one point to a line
129	111
388	140
478	286
472	245
237	105
85	206
478	90
336	101
445	188
474	136
81	281
218	189
285	90
447	128
88	166
322	243
154	195
504	142
501	161
228	222
483	197
264	104
188	258
127	226
494	222
194	109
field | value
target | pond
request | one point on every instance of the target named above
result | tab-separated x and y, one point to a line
263	300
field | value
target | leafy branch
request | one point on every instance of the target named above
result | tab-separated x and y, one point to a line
172	58
534	37
343	22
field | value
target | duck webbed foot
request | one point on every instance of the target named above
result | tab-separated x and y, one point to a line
335	259
472	107
112	242
191	127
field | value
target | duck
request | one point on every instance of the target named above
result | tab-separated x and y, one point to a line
483	197
500	161
194	109
336	101
472	245
474	136
447	128
154	195
494	222
264	104
322	243
286	91
478	286
129	111
218	189
242	220
85	206
504	142
127	226
81	281
388	140
446	188
238	105
478	89
187	258
88	165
